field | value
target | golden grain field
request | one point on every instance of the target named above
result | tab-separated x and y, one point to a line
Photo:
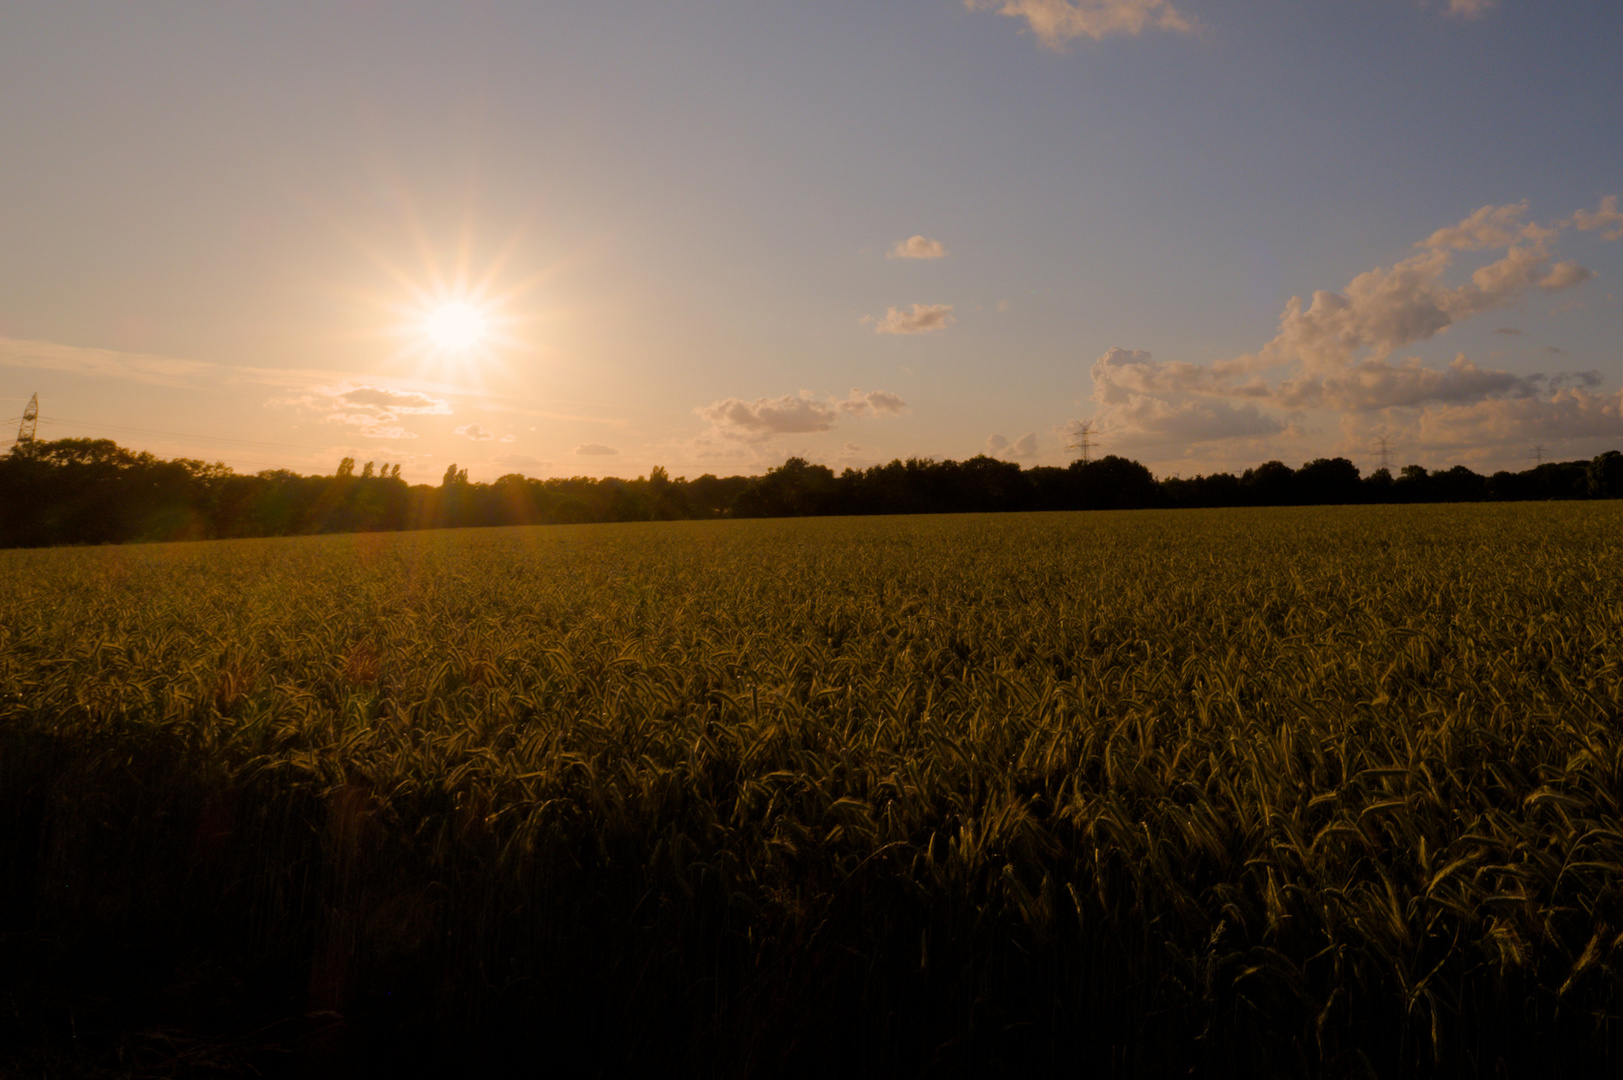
1309	790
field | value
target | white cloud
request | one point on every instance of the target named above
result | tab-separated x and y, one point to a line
1146	403
1375	384
593	449
1470	9
920	320
1608	217
917	247
1489	227
875	403
1334	356
1386	308
1023	447
1564	275
754	421
793	414
1568	413
506	438
1056	22
383	398
476	432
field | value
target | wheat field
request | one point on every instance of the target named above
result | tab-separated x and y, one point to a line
1317	791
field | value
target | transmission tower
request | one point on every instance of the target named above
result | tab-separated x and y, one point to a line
25	433
1383	441
1538	454
1083	439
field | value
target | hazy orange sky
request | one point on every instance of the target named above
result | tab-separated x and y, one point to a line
712	235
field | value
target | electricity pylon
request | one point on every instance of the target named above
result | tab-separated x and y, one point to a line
1383	441
1538	455
1083	439
25	432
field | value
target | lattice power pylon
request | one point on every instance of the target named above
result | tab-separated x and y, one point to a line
25	432
1083	439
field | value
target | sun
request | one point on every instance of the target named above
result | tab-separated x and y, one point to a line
456	326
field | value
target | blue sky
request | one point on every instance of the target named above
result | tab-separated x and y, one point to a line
691	229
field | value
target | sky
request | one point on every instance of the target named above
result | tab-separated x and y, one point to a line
712	235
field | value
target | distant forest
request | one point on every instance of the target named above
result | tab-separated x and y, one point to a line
93	491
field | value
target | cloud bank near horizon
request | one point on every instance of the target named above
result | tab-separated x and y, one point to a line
1333	356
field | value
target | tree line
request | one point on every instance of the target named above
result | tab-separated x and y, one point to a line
93	491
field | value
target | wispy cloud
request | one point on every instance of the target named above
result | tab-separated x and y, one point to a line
922	319
1470	9
106	363
1056	22
476	432
518	461
595	449
917	247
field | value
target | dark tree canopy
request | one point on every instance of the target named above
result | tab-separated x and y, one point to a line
91	491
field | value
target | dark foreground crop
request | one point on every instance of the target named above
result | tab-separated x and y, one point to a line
1318	792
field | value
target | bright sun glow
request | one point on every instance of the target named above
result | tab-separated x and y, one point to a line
455	326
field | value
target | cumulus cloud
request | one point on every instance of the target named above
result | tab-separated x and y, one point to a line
1142	401
594	449
920	320
1023	447
1565	414
917	247
384	398
1376	384
1489	227
1056	22
1470	9
761	419
372	409
1607	218
1335	354
1387	308
793	414
1564	275
876	403
476	432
